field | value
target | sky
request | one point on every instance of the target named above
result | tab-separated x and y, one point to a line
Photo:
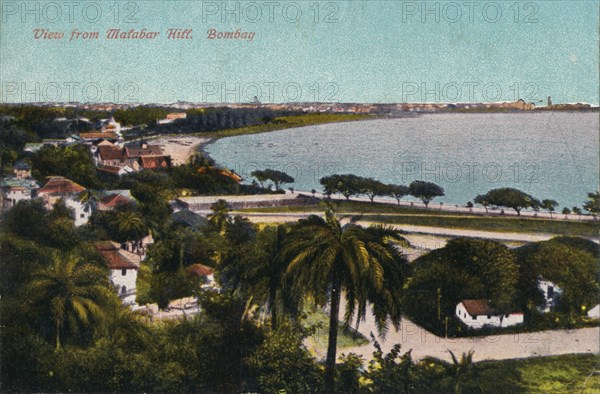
328	51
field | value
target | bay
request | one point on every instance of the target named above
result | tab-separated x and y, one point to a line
547	154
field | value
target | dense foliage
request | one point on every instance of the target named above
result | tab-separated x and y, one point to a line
509	198
464	269
350	185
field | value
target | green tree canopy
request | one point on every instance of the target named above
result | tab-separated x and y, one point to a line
570	263
592	205
464	269
72	294
347	185
371	188
277	177
425	191
397	191
72	162
549	205
328	260
509	198
263	278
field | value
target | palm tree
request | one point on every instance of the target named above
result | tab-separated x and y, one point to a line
264	275
88	201
74	291
327	258
460	373
131	225
220	215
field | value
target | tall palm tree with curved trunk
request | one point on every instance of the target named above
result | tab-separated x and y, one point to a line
264	278
328	259
75	293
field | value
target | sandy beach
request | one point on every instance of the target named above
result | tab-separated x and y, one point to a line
179	148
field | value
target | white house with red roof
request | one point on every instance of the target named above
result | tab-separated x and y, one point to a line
58	187
477	314
123	267
205	273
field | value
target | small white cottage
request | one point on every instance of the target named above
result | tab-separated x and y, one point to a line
477	313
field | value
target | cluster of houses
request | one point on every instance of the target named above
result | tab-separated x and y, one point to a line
111	155
109	150
476	314
122	259
117	159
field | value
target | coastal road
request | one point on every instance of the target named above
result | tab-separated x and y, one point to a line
476	210
437	231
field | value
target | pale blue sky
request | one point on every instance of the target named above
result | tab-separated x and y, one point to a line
377	51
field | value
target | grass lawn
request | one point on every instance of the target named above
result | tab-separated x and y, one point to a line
346	337
287	122
556	374
392	214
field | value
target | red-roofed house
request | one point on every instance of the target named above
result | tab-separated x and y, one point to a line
477	313
112	155
143	149
114	170
58	187
205	273
112	201
98	136
155	162
123	267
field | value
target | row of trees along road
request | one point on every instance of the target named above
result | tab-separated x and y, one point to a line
350	185
519	200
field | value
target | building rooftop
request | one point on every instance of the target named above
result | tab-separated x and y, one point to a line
138	150
99	135
111	152
19	182
199	270
60	185
152	162
477	307
114	257
113	200
21	165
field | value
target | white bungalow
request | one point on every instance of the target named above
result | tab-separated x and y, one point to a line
477	313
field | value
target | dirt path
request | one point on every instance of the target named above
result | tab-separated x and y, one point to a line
494	347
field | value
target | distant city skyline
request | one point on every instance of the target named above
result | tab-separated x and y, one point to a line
335	51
